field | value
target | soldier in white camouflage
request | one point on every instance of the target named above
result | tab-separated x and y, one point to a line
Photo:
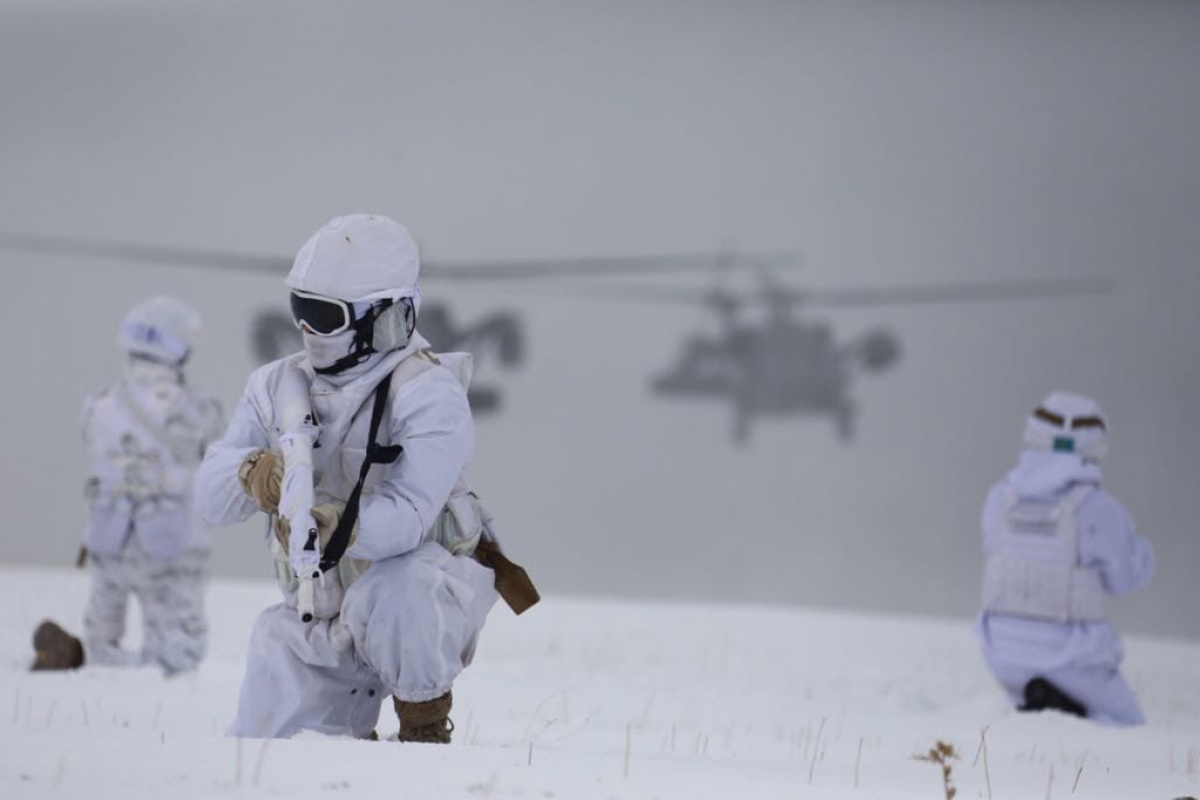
146	434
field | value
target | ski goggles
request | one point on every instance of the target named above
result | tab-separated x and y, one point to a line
324	316
1059	421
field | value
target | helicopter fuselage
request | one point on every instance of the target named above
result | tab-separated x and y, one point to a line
782	366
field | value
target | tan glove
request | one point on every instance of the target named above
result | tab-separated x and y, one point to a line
261	477
326	516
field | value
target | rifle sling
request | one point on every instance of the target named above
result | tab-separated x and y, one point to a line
376	454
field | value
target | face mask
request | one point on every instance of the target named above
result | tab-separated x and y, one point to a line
144	372
324	351
342	339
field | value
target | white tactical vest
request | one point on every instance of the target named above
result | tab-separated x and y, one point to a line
458	528
1033	570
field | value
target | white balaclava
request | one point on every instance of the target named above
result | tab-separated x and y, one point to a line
1068	423
367	261
159	335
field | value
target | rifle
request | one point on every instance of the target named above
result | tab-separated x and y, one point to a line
299	433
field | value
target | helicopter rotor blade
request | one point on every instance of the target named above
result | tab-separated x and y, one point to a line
138	252
717	297
523	269
849	298
534	269
952	292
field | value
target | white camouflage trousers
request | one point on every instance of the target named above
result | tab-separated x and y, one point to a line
407	628
171	597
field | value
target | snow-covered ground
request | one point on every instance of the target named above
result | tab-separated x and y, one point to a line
601	699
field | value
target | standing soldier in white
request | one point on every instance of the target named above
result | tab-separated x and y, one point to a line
357	445
1056	544
145	435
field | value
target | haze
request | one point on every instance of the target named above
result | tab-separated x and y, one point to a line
889	143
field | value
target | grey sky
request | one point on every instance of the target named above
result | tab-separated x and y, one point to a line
889	142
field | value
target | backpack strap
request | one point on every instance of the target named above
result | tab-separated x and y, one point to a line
376	454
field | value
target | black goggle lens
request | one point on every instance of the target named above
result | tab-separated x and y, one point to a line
322	316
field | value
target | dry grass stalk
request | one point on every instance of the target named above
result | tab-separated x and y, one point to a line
641	724
978	750
942	754
628	747
987	773
858	761
1050	782
816	751
1079	771
258	764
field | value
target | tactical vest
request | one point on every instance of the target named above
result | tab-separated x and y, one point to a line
142	460
1033	570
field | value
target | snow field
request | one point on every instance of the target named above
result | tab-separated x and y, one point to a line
601	699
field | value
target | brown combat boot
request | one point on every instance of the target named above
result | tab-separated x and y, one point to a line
427	722
56	649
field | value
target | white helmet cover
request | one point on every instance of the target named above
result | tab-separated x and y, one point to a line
162	328
359	257
1068	423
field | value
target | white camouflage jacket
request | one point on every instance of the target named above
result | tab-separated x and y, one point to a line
428	415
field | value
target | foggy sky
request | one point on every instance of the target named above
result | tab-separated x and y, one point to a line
889	142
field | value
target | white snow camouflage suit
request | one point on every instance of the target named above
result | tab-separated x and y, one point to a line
408	624
145	438
1081	656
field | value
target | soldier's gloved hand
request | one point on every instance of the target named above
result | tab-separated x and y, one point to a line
327	516
261	476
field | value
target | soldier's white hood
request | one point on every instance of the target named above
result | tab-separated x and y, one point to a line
1044	474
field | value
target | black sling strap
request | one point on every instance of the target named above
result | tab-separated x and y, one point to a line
376	454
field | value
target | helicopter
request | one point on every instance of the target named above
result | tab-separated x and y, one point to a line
786	364
498	335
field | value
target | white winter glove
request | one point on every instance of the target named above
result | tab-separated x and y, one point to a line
326	516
